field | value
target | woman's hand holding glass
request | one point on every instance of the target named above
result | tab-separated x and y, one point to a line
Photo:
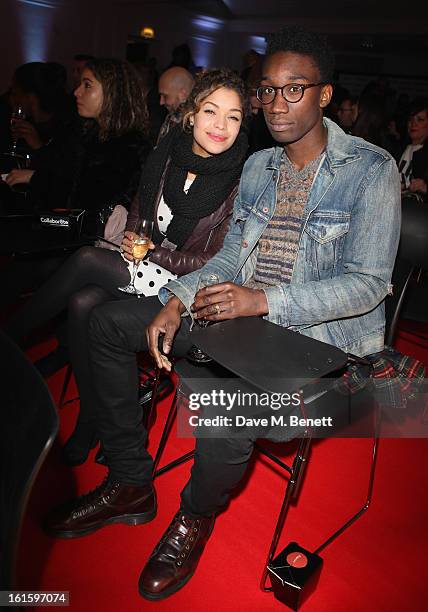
128	245
22	129
137	248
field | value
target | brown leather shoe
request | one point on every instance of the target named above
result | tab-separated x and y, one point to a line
174	560
109	503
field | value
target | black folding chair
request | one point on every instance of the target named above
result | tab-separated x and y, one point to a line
29	424
412	258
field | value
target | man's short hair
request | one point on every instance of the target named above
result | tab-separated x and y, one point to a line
297	40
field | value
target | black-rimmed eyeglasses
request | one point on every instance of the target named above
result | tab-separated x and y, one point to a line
292	92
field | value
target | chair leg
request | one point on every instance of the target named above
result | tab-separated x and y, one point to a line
166	431
294	484
291	492
64	389
147	414
165	434
365	507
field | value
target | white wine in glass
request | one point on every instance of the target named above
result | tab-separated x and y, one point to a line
140	246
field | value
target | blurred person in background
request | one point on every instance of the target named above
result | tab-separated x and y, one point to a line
101	163
157	113
175	85
372	123
104	167
259	136
413	164
347	113
43	136
38	89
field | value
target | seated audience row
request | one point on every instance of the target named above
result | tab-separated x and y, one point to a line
97	168
187	187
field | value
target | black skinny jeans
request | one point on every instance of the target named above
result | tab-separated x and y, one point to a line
87	278
116	335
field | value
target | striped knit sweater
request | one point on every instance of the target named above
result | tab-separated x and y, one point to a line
279	242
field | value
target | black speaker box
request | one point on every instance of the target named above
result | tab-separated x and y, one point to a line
294	574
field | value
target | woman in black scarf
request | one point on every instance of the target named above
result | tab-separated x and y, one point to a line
187	187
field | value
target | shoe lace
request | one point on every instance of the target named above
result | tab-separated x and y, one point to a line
177	540
93	493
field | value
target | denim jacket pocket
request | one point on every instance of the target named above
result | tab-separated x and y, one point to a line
325	237
240	215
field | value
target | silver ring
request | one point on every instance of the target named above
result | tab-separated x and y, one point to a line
217	307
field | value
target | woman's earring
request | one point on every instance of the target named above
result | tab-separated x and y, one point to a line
191	122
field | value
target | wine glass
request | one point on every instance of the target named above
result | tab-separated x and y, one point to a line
140	246
195	354
17	113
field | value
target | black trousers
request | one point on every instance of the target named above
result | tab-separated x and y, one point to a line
87	278
116	334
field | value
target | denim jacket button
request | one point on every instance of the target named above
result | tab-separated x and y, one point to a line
265	209
244	244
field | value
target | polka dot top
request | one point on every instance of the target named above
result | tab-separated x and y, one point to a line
164	213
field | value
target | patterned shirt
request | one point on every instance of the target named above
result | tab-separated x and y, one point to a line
279	242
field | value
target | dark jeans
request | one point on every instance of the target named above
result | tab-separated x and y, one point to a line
116	334
89	277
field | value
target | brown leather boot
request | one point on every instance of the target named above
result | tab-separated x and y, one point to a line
109	503
174	560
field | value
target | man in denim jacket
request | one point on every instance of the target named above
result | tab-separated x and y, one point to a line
311	247
347	230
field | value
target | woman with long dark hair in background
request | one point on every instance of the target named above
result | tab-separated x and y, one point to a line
101	162
92	169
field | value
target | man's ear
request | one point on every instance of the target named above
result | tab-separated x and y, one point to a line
325	97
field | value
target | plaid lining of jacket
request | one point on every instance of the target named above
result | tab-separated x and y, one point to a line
396	378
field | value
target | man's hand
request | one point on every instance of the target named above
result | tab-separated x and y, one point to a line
167	322
419	185
229	301
16	177
126	245
26	130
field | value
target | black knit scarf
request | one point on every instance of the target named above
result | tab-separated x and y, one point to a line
215	178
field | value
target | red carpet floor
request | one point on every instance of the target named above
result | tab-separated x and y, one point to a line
379	564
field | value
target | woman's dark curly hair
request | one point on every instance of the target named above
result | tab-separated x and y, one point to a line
124	107
208	82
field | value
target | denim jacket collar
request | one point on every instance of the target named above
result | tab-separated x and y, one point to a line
340	148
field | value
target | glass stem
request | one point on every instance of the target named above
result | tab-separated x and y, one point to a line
136	264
